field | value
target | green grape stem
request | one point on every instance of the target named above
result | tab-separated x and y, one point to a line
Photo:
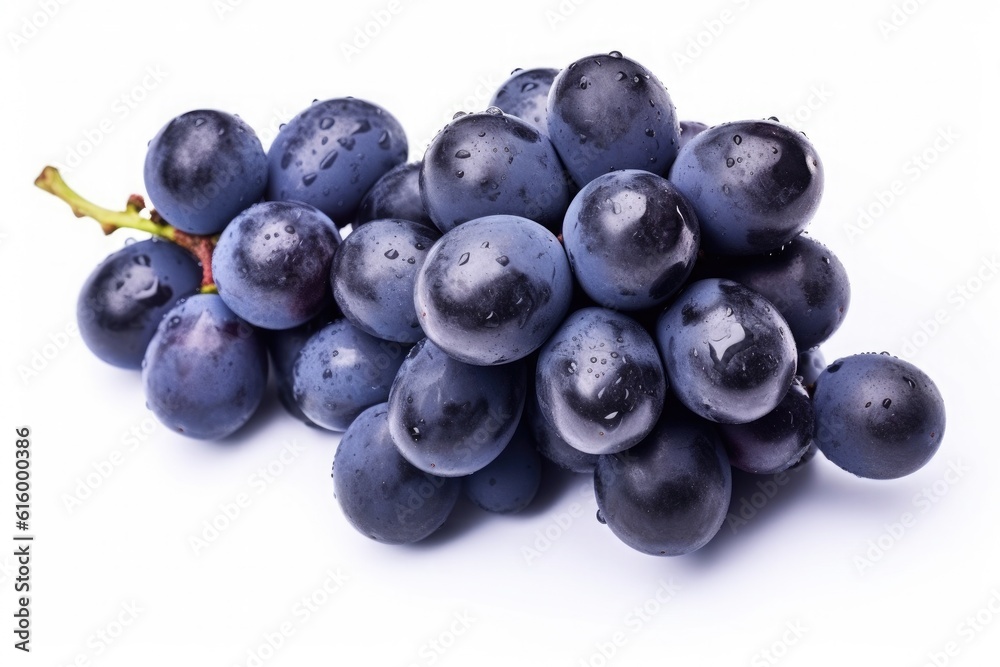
200	246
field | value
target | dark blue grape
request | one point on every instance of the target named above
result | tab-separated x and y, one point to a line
668	495
777	440
331	154
509	483
395	196
380	493
341	371
373	274
525	95
449	418
600	382
878	416
805	282
728	352
689	130
205	370
203	168
272	264
607	113
284	347
126	296
631	238
488	164
493	290
755	185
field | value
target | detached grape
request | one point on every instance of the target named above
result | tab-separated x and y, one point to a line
878	416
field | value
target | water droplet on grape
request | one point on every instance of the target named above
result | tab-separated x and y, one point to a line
391	254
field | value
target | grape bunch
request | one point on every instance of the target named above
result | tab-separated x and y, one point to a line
572	276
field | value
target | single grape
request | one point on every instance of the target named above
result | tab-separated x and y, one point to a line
341	371
728	352
330	155
284	346
395	196
878	416
668	495
449	418
493	290
272	264
754	185
600	382
509	483
203	168
373	275
805	282
525	95
125	297
489	164
608	112
631	238
205	370
380	493
777	440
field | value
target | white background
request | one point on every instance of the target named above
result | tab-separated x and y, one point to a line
879	97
